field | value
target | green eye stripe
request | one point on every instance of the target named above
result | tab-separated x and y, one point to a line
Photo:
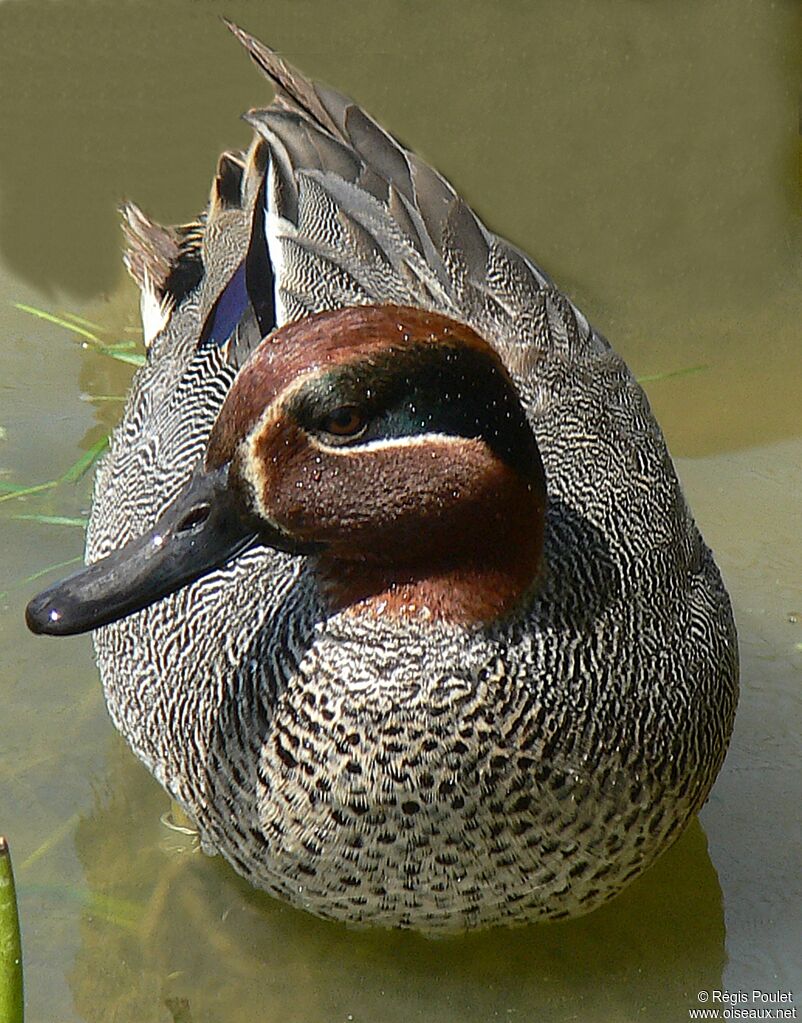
424	389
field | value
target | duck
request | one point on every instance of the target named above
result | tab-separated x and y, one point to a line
392	583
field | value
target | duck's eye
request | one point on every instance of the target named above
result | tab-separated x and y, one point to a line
345	423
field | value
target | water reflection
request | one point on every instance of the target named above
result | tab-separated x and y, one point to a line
167	924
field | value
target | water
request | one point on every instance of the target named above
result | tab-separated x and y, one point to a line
644	154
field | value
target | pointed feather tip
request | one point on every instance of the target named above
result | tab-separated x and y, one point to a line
292	88
226	190
259	51
139	229
131	214
264	57
150	248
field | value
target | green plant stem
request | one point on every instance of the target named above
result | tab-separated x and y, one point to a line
42	314
52	520
11	1000
26	491
670	374
80	319
116	351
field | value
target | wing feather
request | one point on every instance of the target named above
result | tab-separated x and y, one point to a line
382	226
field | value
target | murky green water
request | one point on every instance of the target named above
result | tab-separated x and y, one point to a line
645	155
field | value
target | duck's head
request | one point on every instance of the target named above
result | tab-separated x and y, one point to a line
386	443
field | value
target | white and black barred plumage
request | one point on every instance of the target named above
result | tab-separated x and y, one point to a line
429	775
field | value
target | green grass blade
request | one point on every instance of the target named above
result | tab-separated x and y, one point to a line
52	520
12	488
53	840
58	320
78	469
80	319
52	568
650	378
11	999
132	358
122	913
120	346
25	491
85	462
120	350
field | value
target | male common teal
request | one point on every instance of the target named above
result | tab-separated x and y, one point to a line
395	589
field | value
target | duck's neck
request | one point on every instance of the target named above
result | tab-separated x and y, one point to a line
493	569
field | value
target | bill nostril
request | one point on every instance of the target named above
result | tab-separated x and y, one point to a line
196	517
